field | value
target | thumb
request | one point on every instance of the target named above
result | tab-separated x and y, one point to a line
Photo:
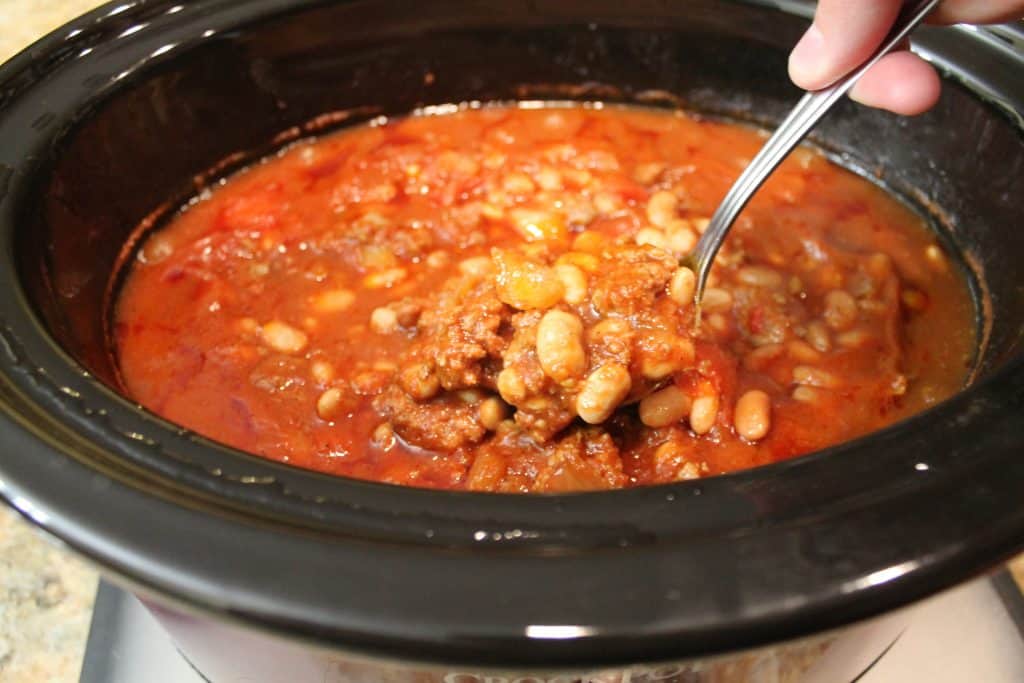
844	34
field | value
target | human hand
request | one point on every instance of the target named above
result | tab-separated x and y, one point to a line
846	32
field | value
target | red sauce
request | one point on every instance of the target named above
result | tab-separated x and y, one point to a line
375	304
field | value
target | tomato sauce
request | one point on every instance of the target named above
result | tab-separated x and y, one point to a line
490	299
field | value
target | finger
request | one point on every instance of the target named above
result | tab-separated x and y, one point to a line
977	11
901	82
843	35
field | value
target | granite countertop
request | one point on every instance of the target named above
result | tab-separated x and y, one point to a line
46	592
46	596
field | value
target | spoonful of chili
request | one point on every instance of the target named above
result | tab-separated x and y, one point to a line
804	116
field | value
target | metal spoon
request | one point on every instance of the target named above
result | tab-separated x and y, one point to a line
811	108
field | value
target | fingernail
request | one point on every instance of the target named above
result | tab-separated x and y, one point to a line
807	61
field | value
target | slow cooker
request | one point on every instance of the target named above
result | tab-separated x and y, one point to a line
264	572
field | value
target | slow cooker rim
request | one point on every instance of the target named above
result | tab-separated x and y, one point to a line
172	560
21	487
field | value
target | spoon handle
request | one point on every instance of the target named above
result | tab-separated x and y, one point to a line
811	108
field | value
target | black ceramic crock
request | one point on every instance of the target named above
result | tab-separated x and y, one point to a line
127	110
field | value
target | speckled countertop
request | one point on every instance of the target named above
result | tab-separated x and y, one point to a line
46	599
46	593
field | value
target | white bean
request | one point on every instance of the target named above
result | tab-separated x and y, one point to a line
652	237
680	236
682	286
560	346
805	394
802	352
703	413
840	310
322	371
759	276
602	392
574	281
716	299
753	415
492	412
383	320
661	208
818	336
385	278
665	407
511	386
814	377
328	406
284	338
334	301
